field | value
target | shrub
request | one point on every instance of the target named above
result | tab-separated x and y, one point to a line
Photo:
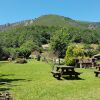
72	52
22	51
70	61
21	60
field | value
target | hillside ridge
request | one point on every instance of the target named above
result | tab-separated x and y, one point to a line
54	20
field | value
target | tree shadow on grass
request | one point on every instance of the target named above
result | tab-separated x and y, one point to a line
4	89
8	81
1	75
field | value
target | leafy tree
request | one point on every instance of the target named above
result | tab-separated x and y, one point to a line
69	58
23	52
90	51
59	42
74	51
30	45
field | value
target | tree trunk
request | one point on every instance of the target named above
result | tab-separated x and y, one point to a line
59	61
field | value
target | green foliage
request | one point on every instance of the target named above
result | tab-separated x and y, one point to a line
69	58
23	52
90	51
27	37
53	29
78	51
9	52
59	42
21	60
30	45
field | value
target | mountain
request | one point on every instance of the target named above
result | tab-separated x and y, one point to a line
54	20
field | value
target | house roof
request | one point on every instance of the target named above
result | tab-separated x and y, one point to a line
45	46
97	56
35	53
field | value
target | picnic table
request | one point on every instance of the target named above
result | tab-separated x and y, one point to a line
98	71
61	71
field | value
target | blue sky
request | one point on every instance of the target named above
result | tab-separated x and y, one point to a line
17	10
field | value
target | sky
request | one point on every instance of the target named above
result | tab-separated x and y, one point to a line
17	10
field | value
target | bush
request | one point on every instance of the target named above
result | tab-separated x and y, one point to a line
10	52
21	60
22	51
70	61
73	51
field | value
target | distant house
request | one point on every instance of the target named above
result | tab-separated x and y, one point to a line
45	47
34	54
97	56
85	63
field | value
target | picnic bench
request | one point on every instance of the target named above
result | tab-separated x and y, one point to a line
56	74
98	71
61	71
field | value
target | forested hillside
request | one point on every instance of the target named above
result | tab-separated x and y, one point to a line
23	37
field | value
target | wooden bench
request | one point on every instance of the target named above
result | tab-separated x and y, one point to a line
75	74
56	74
97	73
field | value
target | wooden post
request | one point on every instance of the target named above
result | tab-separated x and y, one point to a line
59	61
80	65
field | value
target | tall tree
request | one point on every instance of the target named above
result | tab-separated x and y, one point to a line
59	42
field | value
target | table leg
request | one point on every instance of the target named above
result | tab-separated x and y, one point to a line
99	68
76	76
57	69
70	76
96	74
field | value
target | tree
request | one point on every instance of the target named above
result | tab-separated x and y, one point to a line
74	51
23	52
30	45
59	42
69	58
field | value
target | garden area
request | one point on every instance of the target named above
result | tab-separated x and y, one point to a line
34	81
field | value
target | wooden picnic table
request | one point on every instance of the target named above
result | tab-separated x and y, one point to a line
65	70
98	71
98	67
65	67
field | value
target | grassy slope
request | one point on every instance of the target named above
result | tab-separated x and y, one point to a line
54	20
33	81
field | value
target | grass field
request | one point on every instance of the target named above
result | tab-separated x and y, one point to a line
33	81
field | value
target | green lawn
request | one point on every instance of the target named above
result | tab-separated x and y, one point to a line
33	81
